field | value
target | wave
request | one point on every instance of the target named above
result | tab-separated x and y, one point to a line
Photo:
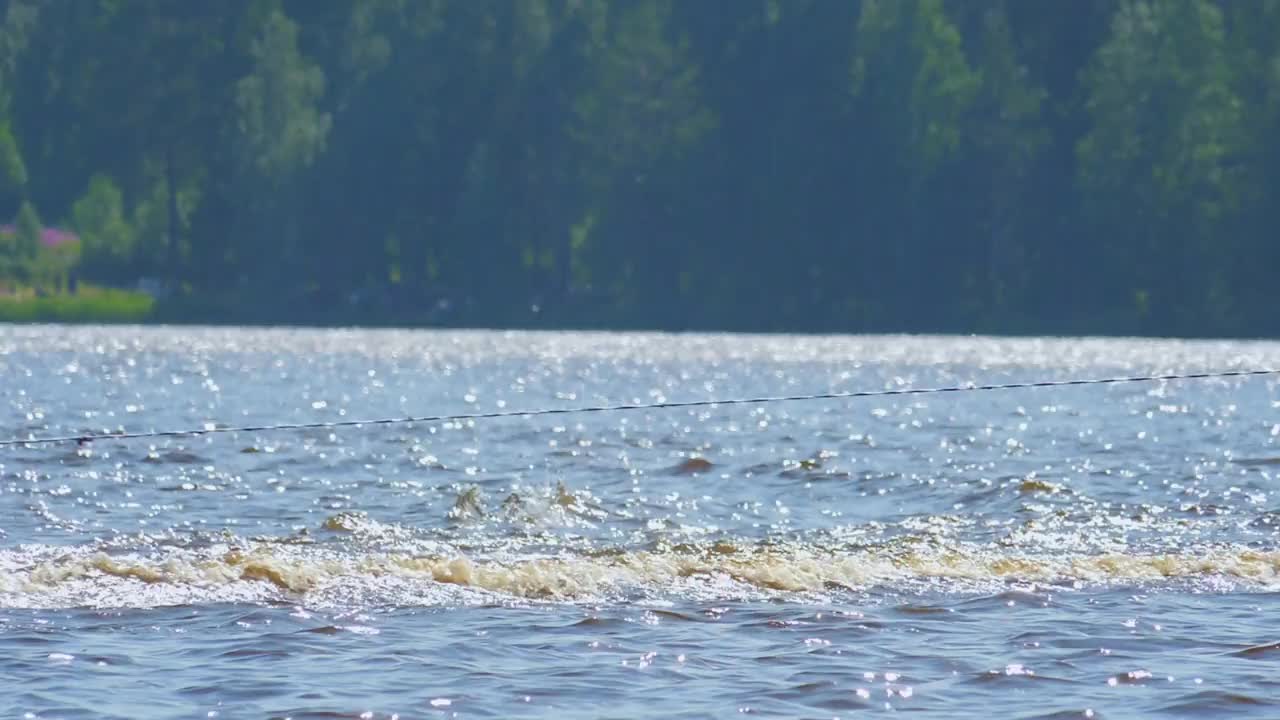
48	576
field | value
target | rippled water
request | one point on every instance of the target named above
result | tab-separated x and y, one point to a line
1101	551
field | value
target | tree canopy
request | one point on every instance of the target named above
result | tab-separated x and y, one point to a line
1010	166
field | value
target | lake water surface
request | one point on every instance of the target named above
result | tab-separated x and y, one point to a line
1102	551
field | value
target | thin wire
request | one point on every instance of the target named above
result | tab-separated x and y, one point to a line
211	429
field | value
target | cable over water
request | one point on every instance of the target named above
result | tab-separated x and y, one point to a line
458	417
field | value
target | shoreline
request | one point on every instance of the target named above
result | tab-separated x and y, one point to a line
134	310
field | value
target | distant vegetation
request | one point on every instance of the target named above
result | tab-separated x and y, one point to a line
1041	166
86	304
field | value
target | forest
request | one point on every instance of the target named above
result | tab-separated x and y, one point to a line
953	166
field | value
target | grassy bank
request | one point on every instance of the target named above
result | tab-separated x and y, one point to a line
89	305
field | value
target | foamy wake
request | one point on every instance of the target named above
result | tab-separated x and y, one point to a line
49	577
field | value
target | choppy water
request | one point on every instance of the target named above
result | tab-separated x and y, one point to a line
1105	551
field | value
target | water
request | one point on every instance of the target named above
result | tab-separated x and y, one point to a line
1102	551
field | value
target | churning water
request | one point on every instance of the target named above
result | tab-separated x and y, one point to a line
1101	551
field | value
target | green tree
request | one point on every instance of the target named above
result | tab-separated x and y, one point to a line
108	241
25	245
1253	51
1029	165
16	24
255	191
28	229
13	172
282	128
1157	170
1005	136
912	78
636	122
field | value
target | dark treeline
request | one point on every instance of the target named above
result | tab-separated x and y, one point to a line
1096	166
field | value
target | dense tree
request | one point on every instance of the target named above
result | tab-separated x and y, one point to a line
919	165
1158	170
